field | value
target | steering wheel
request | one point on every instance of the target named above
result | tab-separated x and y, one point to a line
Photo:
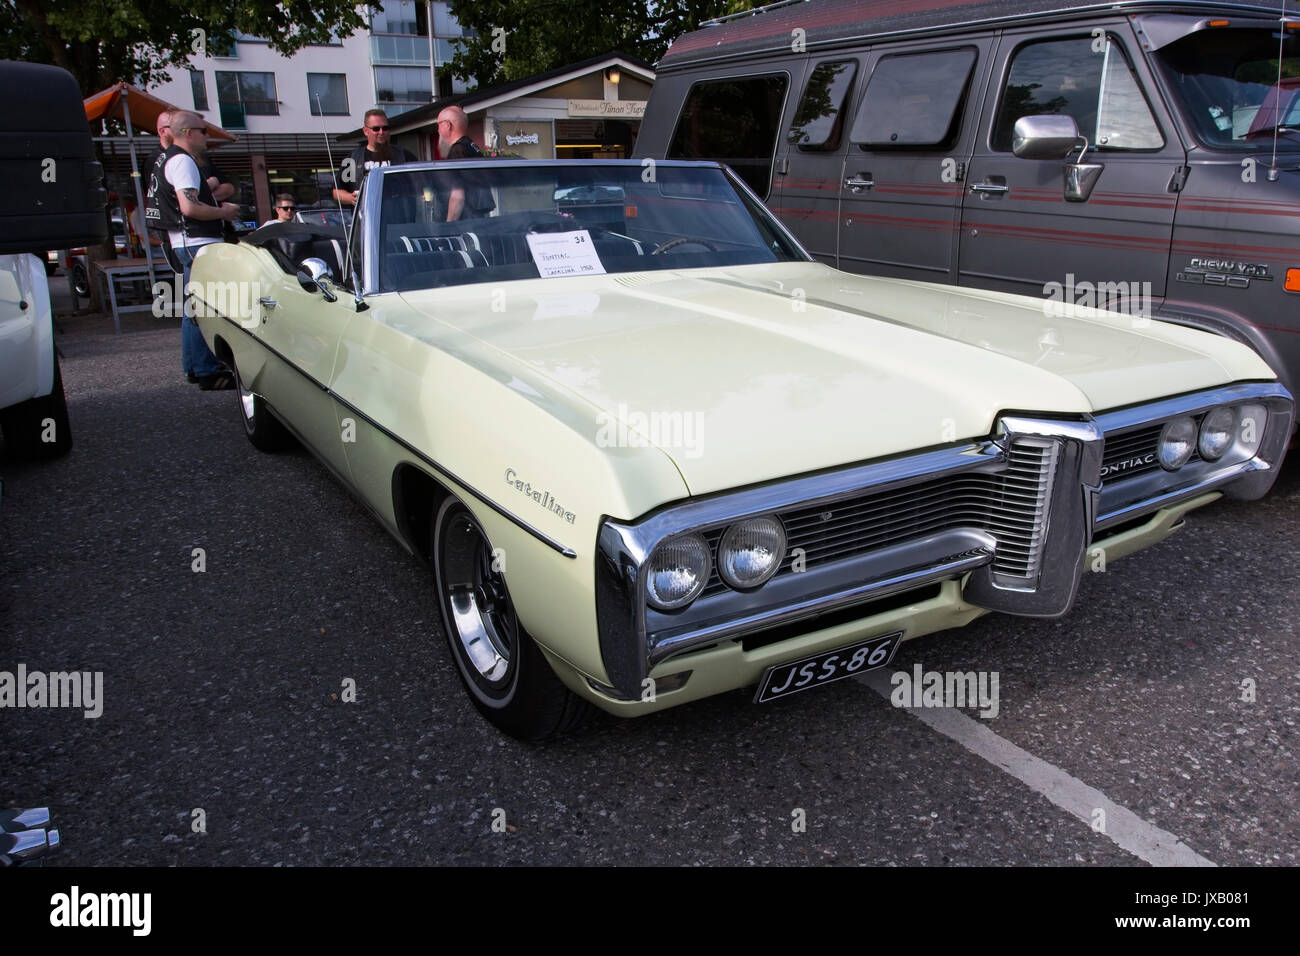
683	240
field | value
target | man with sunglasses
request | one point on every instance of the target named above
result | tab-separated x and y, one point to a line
285	207
180	201
378	151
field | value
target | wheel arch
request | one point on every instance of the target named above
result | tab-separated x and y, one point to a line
416	497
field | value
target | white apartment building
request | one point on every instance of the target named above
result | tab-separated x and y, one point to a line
280	106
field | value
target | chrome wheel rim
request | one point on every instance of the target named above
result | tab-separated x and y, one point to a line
481	612
247	400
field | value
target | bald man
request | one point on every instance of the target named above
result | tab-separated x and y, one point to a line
181	201
465	200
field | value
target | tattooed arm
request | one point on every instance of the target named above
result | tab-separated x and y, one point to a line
192	208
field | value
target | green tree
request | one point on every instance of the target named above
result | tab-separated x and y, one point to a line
518	38
103	41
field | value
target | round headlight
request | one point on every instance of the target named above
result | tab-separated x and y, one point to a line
678	571
1216	433
1177	440
751	551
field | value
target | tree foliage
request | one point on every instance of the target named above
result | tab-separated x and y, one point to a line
519	38
103	41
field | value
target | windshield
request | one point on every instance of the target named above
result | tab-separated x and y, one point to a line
521	221
1228	83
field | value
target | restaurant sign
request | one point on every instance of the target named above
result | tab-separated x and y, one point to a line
627	109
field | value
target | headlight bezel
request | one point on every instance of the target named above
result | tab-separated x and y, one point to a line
702	578
738	528
1188	424
1229	431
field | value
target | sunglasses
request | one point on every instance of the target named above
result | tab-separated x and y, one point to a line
378	129
289	208
194	129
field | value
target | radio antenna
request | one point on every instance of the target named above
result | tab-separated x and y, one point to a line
347	239
329	153
1278	107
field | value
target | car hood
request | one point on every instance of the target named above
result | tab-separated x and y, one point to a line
747	374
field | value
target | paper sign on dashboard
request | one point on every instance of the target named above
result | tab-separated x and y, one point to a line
564	254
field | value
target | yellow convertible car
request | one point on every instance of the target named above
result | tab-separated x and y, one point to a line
654	452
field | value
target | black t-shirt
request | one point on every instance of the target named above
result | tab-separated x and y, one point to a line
478	198
361	160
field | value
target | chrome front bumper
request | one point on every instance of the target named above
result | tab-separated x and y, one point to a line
1015	514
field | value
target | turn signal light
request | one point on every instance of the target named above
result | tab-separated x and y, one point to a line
1292	283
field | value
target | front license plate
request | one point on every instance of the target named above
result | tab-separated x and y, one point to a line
786	679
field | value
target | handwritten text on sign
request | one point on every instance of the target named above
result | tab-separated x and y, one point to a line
564	254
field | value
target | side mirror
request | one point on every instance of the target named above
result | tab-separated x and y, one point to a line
1046	137
315	276
1056	137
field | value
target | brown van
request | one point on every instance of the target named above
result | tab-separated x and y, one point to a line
1139	156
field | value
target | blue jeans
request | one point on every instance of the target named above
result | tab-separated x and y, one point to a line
196	358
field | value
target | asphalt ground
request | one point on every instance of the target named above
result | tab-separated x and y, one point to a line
225	737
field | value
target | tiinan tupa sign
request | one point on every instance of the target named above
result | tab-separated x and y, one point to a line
629	109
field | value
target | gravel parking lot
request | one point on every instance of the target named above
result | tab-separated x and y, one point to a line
1169	696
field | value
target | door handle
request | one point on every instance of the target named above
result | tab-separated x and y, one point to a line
860	183
267	302
992	188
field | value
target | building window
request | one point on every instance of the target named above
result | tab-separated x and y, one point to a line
327	93
445	23
404	18
245	94
402	85
200	89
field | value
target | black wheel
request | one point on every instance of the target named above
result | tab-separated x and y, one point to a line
38	427
263	429
80	281
507	676
682	241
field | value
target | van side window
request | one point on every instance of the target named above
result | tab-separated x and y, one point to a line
1088	78
914	99
734	121
820	117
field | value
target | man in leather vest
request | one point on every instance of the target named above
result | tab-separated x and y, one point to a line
181	202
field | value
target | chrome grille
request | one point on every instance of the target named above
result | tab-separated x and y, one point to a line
1010	505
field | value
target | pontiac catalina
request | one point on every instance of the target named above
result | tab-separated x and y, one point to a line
653	452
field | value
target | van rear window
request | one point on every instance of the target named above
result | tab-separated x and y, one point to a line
913	99
734	121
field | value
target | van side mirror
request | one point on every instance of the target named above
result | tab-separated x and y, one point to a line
1056	137
1045	137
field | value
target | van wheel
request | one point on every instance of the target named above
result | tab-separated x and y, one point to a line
263	429
504	671
38	427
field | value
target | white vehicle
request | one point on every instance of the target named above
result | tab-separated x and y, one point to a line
33	412
58	202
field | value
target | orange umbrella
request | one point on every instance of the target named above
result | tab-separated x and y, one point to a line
125	102
134	106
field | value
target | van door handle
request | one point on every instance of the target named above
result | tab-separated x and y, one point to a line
862	181
267	302
996	189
